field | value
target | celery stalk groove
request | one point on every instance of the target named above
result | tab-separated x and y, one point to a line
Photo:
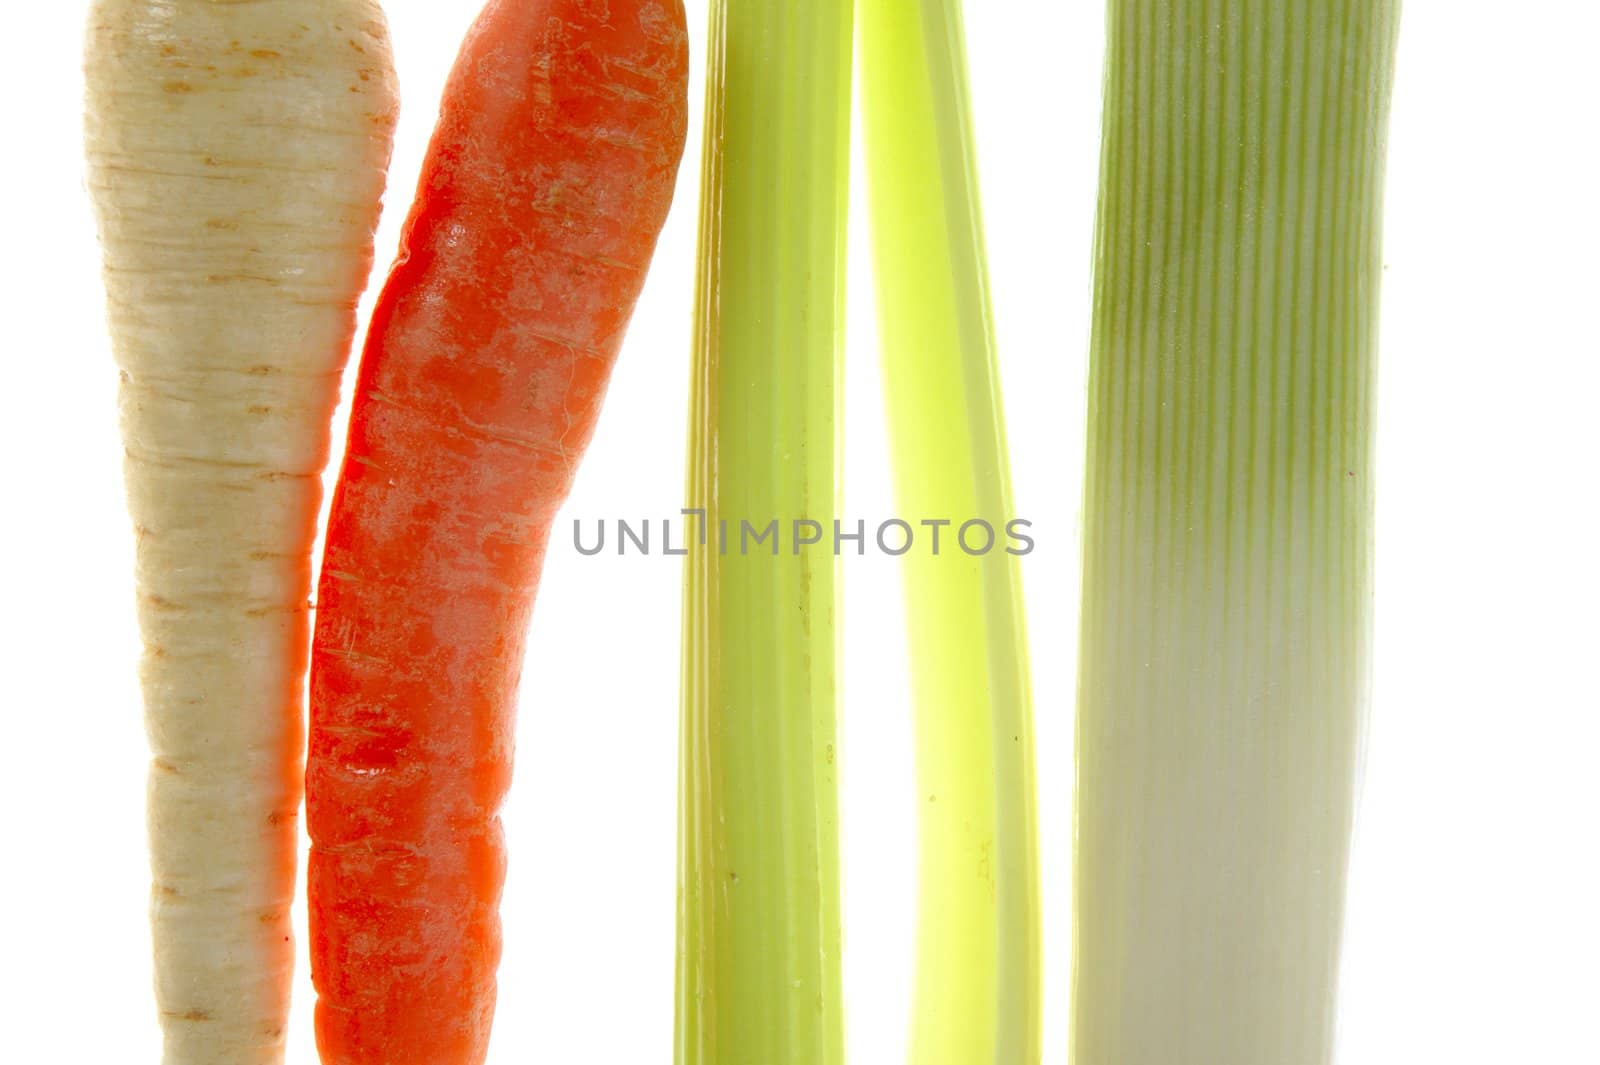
1228	526
977	995
759	921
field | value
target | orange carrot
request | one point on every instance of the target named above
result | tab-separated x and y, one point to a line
541	198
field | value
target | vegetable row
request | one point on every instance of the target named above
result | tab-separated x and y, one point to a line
237	156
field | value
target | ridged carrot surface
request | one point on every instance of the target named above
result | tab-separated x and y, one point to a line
541	198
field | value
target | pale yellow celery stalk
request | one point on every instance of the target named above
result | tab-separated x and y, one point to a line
759	924
1228	526
977	978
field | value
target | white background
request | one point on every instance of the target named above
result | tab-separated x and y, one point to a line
1472	924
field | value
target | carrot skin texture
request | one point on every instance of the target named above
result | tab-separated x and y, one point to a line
543	193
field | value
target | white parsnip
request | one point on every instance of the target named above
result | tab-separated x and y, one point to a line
236	158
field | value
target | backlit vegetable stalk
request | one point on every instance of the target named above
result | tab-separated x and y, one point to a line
758	954
977	983
1228	526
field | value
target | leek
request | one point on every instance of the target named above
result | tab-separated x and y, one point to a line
1228	526
759	923
977	993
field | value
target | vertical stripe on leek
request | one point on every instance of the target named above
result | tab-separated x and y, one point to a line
1228	526
977	977
759	923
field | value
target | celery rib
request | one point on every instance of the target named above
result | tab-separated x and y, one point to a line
1228	526
759	922
977	996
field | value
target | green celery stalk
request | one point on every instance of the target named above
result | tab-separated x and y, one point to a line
977	979
759	919
1228	526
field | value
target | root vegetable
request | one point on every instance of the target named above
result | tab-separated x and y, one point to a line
543	193
236	159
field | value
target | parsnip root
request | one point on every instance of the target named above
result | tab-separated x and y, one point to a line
236	159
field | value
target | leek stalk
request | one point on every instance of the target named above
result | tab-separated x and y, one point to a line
1228	526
